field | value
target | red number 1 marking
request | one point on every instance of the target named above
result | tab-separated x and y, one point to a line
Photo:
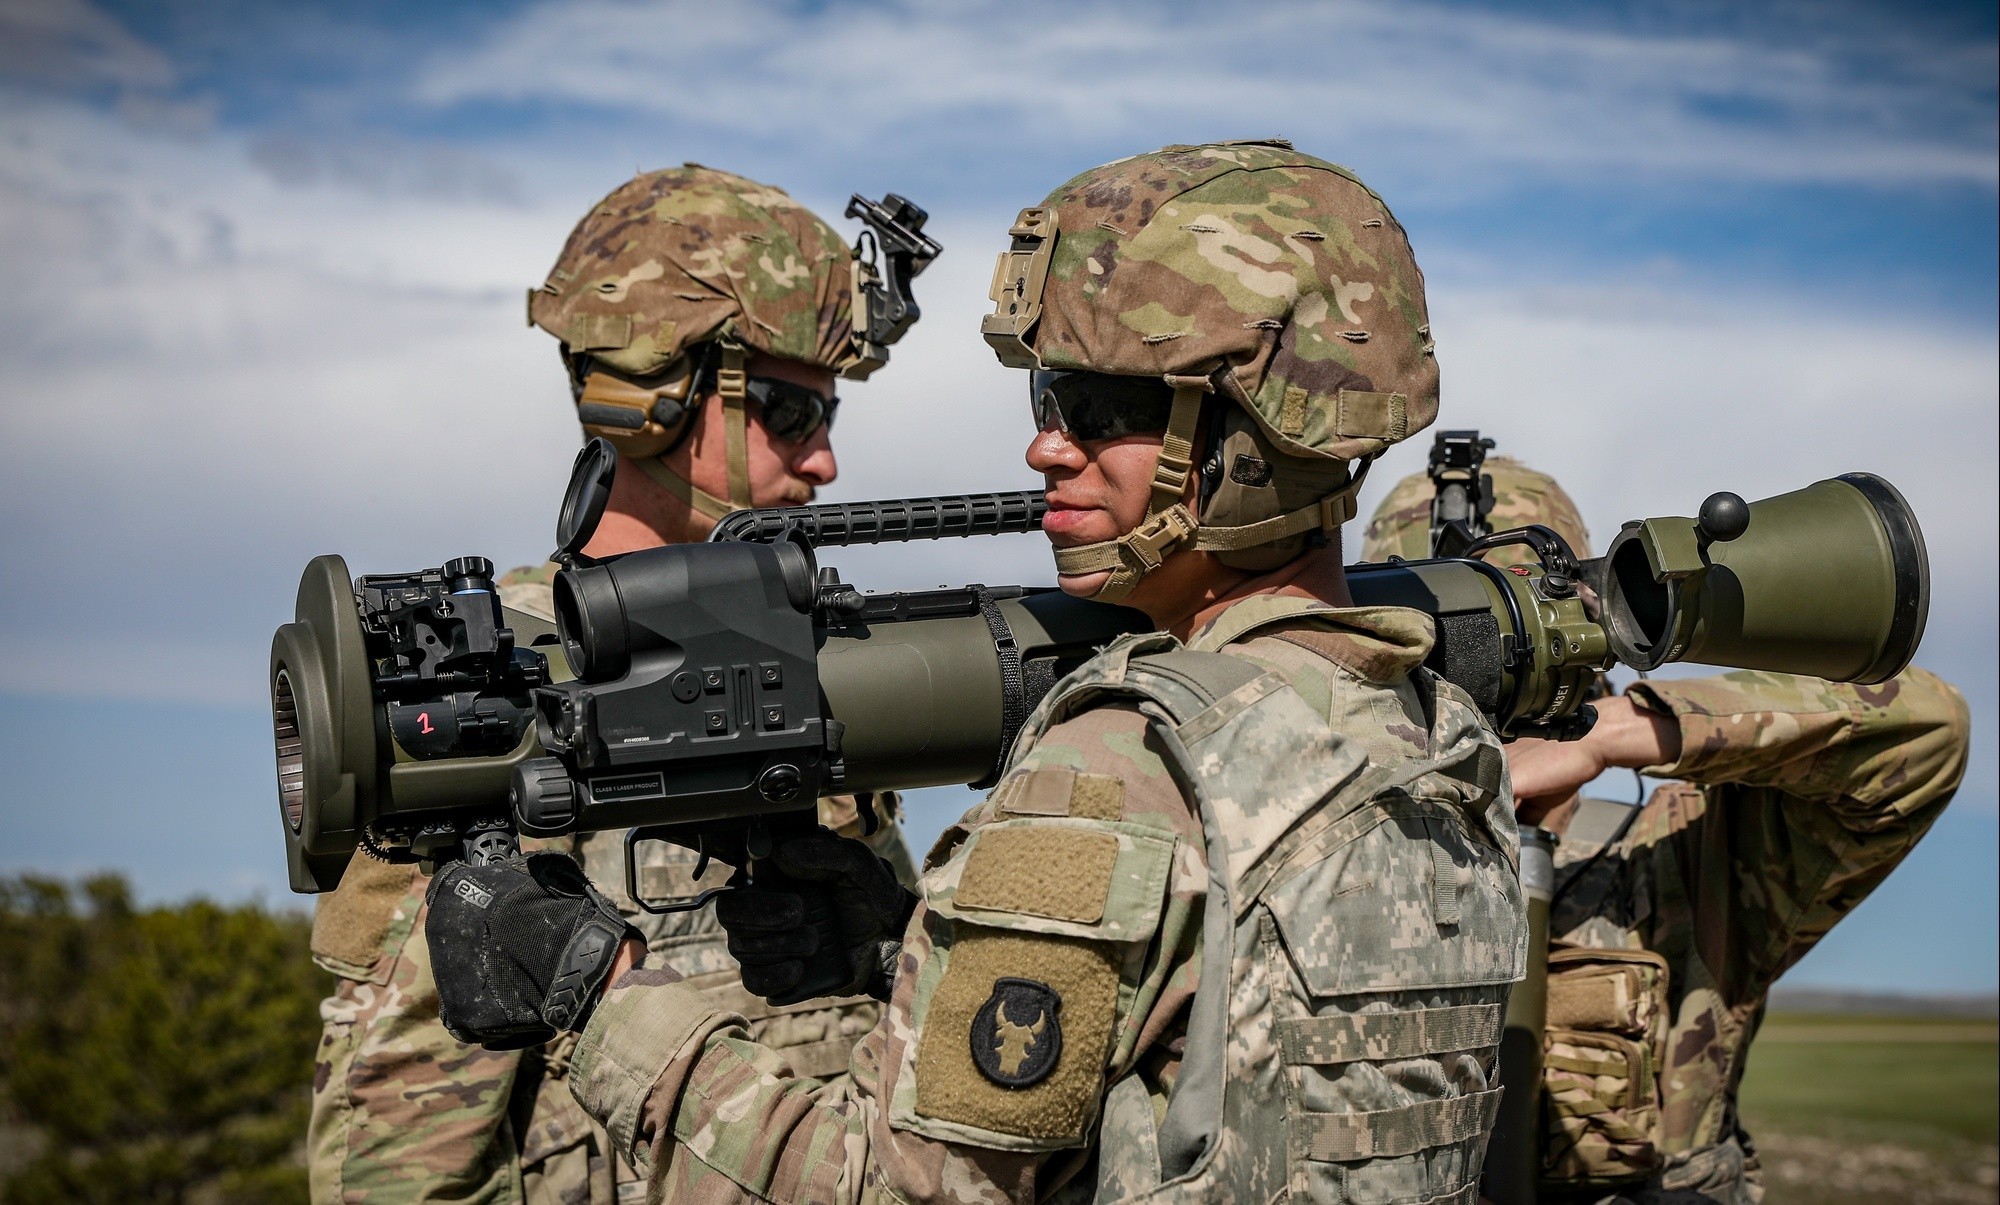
424	718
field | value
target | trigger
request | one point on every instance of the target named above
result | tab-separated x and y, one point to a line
701	863
871	820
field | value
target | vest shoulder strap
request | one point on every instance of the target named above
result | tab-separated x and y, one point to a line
1198	680
1182	682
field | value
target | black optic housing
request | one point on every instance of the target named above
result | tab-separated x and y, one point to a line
697	679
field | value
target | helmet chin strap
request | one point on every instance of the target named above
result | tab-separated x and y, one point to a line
699	500
1170	525
731	383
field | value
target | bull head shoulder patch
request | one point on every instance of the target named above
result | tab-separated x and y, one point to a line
1017	1033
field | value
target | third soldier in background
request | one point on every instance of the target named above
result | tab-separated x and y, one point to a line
703	319
1793	799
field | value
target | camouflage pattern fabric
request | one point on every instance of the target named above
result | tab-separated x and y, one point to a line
404	1112
1401	525
678	257
1607	1016
1801	797
1798	798
1180	923
1281	268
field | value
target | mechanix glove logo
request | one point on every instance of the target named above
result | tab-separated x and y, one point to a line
1017	1033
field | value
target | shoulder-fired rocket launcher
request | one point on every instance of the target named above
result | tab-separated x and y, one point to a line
710	693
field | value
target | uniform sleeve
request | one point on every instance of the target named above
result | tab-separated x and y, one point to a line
1054	951
1813	792
401	1110
1873	754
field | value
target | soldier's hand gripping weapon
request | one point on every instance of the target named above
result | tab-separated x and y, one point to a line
708	694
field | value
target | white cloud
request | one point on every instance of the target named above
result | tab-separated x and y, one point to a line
90	198
382	167
211	377
1444	92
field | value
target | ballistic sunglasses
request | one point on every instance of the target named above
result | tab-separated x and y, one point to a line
1095	405
790	412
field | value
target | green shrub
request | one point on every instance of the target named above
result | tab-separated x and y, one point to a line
158	1054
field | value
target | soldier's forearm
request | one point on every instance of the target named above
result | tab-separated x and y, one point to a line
1546	772
1890	748
631	953
632	1043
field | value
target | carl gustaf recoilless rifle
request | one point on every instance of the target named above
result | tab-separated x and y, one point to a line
708	694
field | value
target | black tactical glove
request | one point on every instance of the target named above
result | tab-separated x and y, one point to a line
520	948
824	917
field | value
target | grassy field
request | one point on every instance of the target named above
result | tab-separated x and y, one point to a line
1848	1109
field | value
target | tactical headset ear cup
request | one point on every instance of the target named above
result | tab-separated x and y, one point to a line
1255	482
649	441
640	422
667	413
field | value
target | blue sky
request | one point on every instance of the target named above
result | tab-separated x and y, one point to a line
266	263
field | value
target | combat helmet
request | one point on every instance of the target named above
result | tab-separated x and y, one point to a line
670	282
1401	525
1273	293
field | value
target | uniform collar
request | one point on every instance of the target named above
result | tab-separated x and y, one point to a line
1382	644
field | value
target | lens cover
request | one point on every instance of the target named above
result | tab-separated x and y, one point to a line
584	501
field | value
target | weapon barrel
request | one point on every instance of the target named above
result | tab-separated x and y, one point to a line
891	522
725	680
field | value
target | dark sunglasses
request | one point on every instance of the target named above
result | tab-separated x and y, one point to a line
790	412
1094	405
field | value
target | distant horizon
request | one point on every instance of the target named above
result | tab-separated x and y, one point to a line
1836	1000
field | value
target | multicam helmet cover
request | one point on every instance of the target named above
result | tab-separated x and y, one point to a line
676	258
1401	524
1246	270
685	270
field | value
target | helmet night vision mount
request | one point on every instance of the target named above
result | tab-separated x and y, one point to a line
708	694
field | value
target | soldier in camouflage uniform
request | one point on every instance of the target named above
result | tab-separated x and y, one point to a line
1794	798
1240	918
673	283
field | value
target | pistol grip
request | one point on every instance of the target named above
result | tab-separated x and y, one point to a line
828	972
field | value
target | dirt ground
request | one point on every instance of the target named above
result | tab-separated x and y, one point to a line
1803	1170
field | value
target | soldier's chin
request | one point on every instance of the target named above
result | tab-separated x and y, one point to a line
1083	585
